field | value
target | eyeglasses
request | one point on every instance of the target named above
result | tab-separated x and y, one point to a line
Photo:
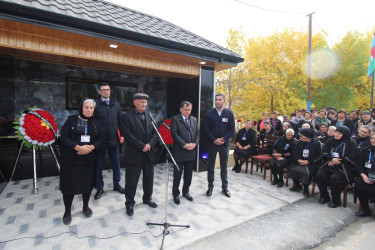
103	90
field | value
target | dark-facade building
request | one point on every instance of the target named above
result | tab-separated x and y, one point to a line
54	53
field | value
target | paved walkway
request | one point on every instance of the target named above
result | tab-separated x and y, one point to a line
34	220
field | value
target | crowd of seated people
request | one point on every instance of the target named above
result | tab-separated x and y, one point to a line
335	147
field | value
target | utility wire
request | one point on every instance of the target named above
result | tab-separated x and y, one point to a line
277	11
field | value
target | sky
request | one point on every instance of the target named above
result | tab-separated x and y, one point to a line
212	19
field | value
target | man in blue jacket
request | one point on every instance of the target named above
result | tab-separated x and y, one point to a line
220	127
109	112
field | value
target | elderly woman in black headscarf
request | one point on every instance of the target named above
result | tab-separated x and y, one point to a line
282	156
305	161
80	137
246	140
364	186
339	156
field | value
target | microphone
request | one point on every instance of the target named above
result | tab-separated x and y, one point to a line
152	118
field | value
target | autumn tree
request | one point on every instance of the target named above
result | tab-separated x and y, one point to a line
231	82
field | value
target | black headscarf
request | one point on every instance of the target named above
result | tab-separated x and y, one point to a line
346	134
81	110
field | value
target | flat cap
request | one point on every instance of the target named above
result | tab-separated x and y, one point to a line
140	96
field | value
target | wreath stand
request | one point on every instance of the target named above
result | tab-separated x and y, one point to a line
35	187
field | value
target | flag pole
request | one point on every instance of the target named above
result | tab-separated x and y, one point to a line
372	90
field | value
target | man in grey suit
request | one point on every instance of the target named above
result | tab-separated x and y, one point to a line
140	140
185	134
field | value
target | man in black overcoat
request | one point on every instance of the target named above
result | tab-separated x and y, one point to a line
185	134
140	141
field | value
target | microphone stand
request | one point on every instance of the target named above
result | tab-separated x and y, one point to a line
165	225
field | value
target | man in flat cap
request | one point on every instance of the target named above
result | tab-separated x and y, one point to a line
140	140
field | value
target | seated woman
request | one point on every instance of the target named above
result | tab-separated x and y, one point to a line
286	125
322	118
331	132
364	187
362	139
305	161
307	120
267	130
260	124
80	137
322	134
339	156
246	140
282	156
343	120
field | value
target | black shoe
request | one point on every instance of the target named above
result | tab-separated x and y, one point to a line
188	197
324	200
119	189
98	194
238	169
280	183
296	188
275	181
209	191
226	192
333	205
363	213
67	218
151	203
176	200
87	212
306	193
130	210
235	167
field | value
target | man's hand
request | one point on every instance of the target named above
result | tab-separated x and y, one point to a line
219	141
122	139
147	148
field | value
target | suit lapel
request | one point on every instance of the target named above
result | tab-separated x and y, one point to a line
139	121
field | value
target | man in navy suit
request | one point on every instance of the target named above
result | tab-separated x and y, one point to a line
140	139
220	127
185	134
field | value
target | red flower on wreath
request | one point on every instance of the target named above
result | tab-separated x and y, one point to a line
165	131
36	127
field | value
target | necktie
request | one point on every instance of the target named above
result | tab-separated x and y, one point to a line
187	125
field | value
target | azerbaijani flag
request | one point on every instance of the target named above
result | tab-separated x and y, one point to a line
371	65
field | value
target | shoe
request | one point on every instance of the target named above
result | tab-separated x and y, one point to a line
238	170
226	192
333	205
296	188
87	211
306	193
280	183
209	191
151	203
275	181
324	200
119	189
363	213
130	210
98	194
235	167
176	200
188	197
67	218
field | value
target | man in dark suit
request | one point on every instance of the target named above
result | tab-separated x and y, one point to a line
140	138
108	110
220	127
185	134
